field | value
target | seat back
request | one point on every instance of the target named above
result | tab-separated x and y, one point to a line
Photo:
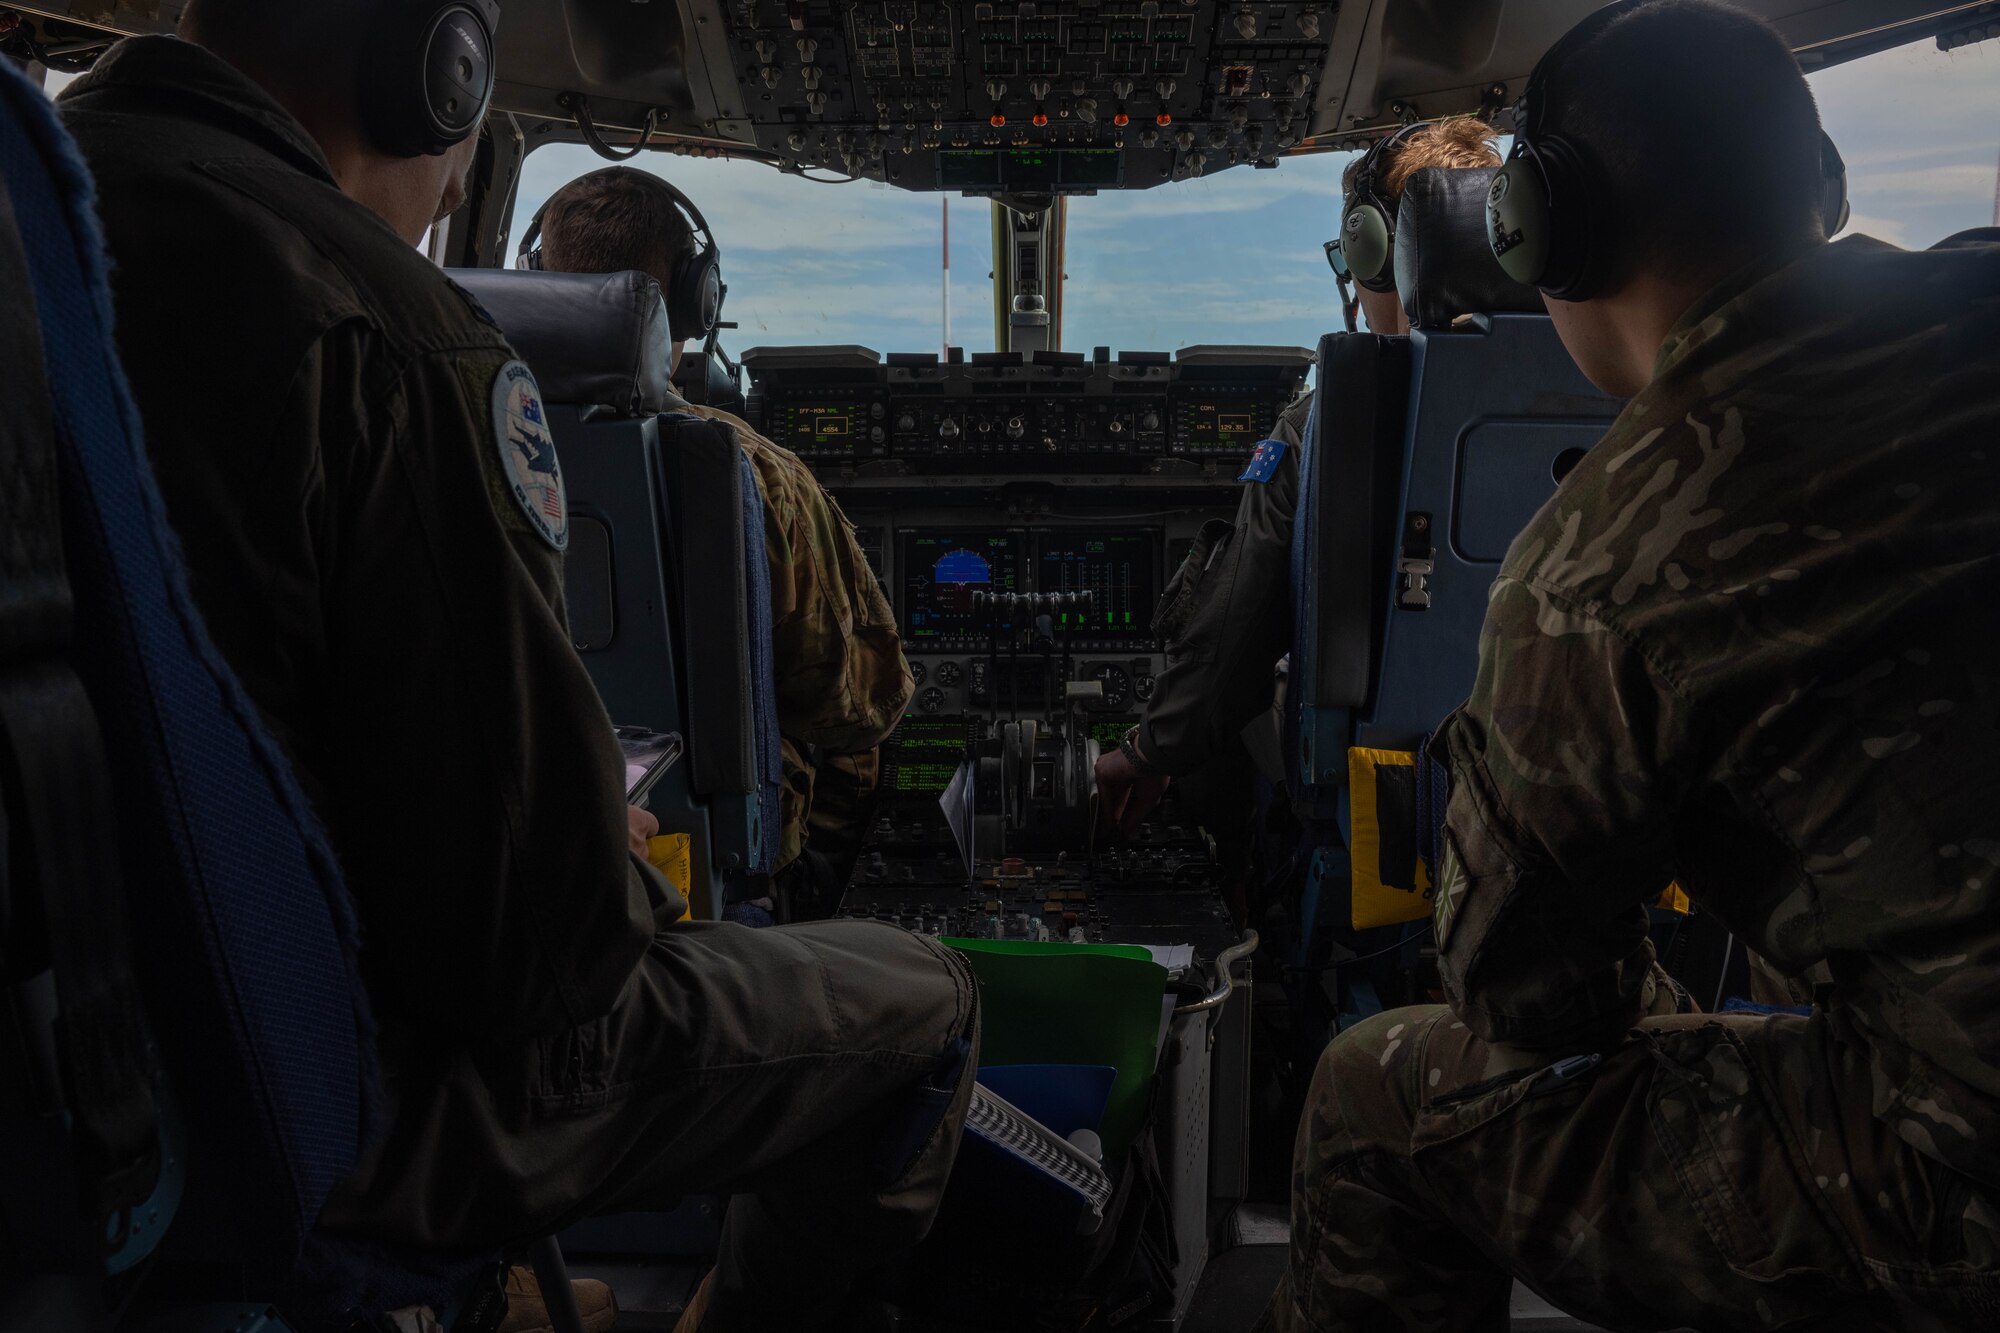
1350	473
1498	413
666	580
1425	457
726	595
248	964
85	1188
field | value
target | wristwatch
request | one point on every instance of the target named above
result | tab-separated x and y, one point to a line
1128	745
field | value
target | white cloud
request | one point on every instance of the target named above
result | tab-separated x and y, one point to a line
1893	231
1234	256
1957	182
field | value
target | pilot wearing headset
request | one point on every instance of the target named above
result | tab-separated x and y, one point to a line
334	427
1747	647
1228	609
842	683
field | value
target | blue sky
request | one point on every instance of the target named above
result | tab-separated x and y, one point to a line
1234	257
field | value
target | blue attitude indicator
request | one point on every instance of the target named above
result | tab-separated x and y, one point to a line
957	575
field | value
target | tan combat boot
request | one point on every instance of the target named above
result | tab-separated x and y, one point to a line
697	1306
527	1312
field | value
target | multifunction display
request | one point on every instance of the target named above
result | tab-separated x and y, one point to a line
1120	569
941	571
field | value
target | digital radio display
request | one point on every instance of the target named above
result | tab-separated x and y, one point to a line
1225	424
823	425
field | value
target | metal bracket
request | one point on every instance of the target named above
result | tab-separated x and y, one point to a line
1415	564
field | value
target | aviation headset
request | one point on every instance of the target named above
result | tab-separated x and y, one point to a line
1368	224
1544	218
427	73
694	298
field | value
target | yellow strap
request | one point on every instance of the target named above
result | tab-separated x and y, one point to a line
672	854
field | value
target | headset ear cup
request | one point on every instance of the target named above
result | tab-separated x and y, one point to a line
1368	240
695	301
427	75
1517	220
1833	207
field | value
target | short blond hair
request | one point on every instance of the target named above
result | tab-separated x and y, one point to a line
1454	142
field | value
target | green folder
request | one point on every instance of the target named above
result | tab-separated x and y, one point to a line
1073	1004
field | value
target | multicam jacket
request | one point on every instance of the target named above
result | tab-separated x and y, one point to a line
1752	644
842	682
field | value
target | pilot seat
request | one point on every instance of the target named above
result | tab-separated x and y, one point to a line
666	577
1424	457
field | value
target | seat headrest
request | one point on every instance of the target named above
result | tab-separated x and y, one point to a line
1444	267
592	339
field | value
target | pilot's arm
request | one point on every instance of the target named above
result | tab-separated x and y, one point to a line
466	764
1228	622
1567	776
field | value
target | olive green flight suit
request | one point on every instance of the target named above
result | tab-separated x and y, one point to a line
1750	646
372	523
1226	617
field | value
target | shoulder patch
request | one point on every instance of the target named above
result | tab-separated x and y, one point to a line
1263	464
528	453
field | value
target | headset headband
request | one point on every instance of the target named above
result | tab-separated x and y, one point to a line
1528	109
695	291
530	247
1368	171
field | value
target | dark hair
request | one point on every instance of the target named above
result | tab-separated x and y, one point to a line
612	220
279	25
304	44
1702	131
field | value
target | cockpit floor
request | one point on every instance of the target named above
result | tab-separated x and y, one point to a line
1238	1282
1233	1292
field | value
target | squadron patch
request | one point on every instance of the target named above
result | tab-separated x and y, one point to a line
1263	464
528	453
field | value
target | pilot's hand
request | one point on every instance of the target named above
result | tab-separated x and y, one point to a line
1126	796
639	826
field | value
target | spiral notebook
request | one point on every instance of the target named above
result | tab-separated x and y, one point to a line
1001	1125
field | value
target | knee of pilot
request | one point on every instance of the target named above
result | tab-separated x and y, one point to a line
964	984
1365	1090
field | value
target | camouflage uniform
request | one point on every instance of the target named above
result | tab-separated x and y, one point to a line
842	681
1748	645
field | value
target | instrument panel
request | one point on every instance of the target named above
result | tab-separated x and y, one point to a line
1054	412
1023	515
1028	96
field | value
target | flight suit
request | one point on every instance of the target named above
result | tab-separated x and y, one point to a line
1749	645
372	518
842	682
1226	617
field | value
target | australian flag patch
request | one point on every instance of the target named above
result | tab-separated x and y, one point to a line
1263	464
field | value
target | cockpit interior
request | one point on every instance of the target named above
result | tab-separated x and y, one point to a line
1031	499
